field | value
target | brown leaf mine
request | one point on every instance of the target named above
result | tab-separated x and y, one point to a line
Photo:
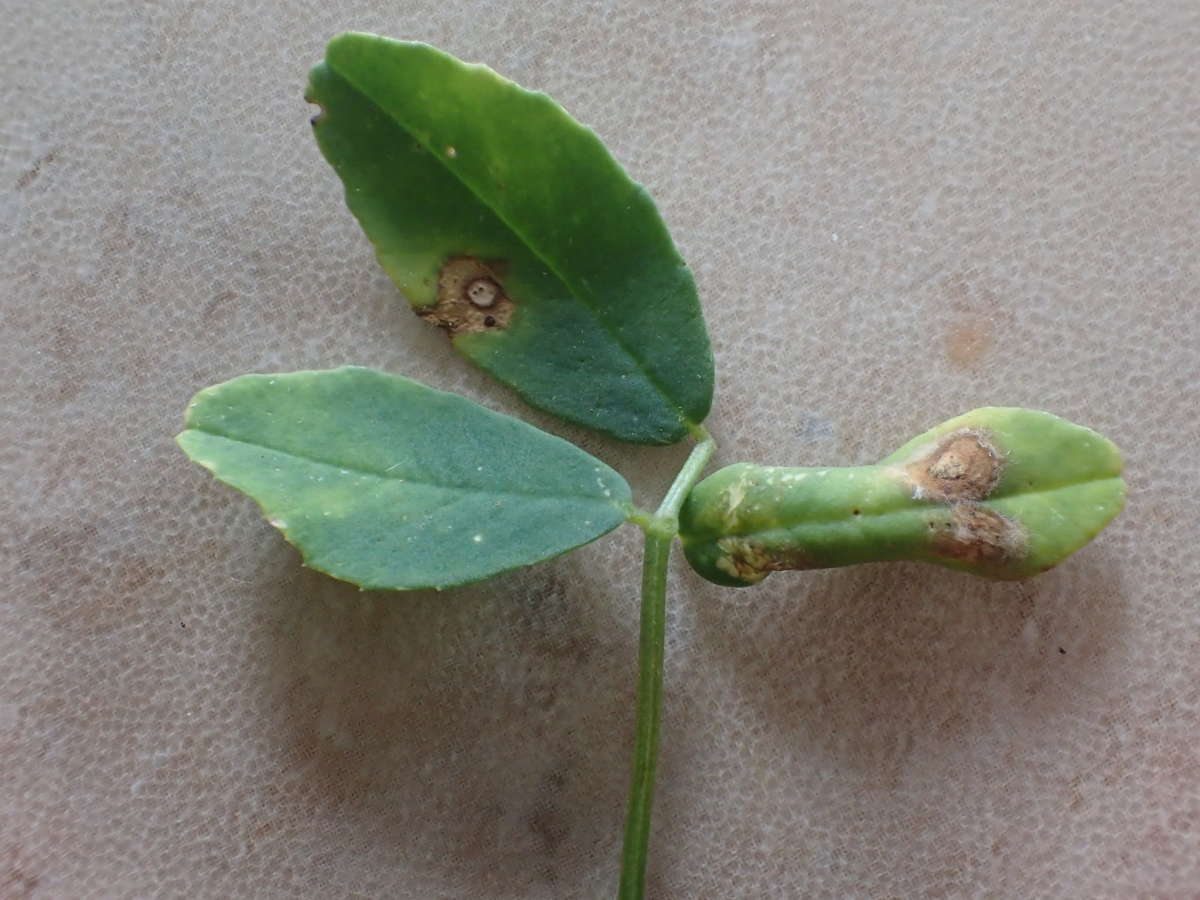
961	466
751	562
470	297
980	537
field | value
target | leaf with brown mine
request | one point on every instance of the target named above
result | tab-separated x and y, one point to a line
998	492
448	167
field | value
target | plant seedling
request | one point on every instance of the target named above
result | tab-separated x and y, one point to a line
508	225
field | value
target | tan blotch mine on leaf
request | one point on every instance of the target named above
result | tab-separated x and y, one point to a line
750	562
980	537
470	297
961	466
960	470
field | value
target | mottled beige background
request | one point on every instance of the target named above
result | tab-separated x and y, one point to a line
896	211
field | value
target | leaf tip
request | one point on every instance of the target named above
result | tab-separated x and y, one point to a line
185	440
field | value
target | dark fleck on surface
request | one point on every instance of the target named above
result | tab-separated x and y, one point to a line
30	175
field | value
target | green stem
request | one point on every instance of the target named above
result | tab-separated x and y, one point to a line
693	466
660	532
649	704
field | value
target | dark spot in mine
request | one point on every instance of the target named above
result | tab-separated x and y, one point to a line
489	321
1062	651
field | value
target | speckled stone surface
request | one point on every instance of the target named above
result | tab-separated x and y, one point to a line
896	211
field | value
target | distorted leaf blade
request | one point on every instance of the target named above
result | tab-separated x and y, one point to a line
998	492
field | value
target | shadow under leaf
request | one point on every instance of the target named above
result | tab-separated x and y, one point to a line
476	738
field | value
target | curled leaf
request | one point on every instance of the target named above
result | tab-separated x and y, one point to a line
998	492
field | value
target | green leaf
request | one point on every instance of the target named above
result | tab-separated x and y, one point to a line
470	186
387	483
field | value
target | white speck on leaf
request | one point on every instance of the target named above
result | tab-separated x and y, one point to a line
482	292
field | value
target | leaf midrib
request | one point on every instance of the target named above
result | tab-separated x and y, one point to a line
581	295
843	519
603	501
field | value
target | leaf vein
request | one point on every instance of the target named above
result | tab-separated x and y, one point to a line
383	476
